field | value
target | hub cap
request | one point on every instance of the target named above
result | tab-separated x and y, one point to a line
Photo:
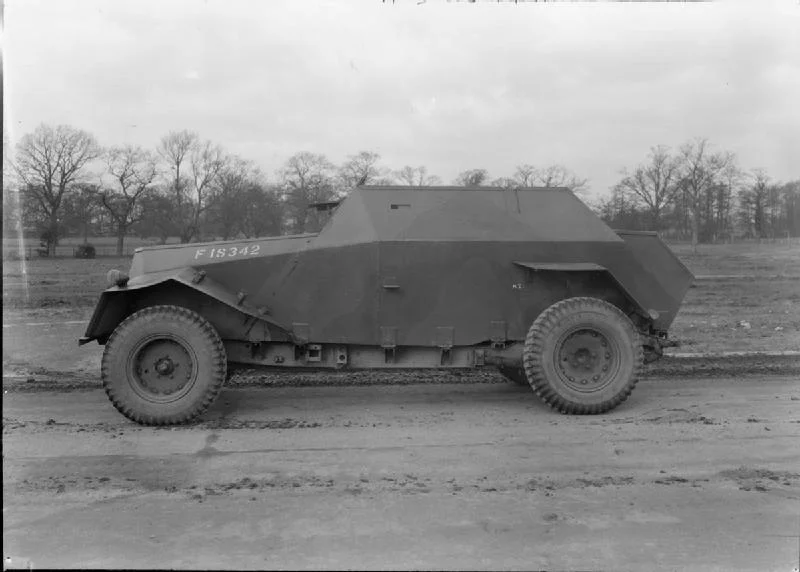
162	369
587	360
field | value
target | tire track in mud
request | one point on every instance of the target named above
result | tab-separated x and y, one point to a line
89	476
690	366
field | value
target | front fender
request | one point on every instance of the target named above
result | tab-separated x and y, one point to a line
118	302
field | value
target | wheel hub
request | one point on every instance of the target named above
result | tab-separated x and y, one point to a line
585	359
162	367
165	366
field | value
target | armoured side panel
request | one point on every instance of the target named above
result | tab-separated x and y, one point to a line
470	288
330	293
662	267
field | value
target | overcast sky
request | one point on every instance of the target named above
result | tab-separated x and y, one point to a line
448	85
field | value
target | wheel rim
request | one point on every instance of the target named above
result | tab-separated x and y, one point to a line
587	359
162	368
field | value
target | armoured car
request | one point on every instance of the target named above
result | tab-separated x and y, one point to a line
529	281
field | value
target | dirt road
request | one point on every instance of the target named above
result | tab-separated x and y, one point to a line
689	474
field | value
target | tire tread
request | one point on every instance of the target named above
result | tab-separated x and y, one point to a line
534	349
218	373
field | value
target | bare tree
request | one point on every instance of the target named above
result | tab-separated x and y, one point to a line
306	178
264	214
654	183
525	175
560	176
157	219
82	206
731	178
362	169
471	178
506	183
48	162
195	166
619	210
790	193
700	172
228	204
416	176
207	160
132	172
754	204
174	150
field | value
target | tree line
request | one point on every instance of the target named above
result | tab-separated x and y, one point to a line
66	184
698	193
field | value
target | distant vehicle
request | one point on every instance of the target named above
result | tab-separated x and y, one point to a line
529	281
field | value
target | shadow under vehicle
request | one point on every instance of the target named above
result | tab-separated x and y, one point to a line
529	281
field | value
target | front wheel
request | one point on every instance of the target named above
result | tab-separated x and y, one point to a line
582	355
163	365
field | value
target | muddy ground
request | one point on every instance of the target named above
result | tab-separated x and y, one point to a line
699	474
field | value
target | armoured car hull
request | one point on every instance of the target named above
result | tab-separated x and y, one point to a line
402	277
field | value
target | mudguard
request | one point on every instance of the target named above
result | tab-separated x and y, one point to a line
116	302
588	267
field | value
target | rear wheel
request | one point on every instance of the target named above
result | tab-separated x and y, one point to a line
583	355
163	365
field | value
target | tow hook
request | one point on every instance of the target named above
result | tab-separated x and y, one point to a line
653	347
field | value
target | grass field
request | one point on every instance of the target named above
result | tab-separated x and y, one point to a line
746	297
104	245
